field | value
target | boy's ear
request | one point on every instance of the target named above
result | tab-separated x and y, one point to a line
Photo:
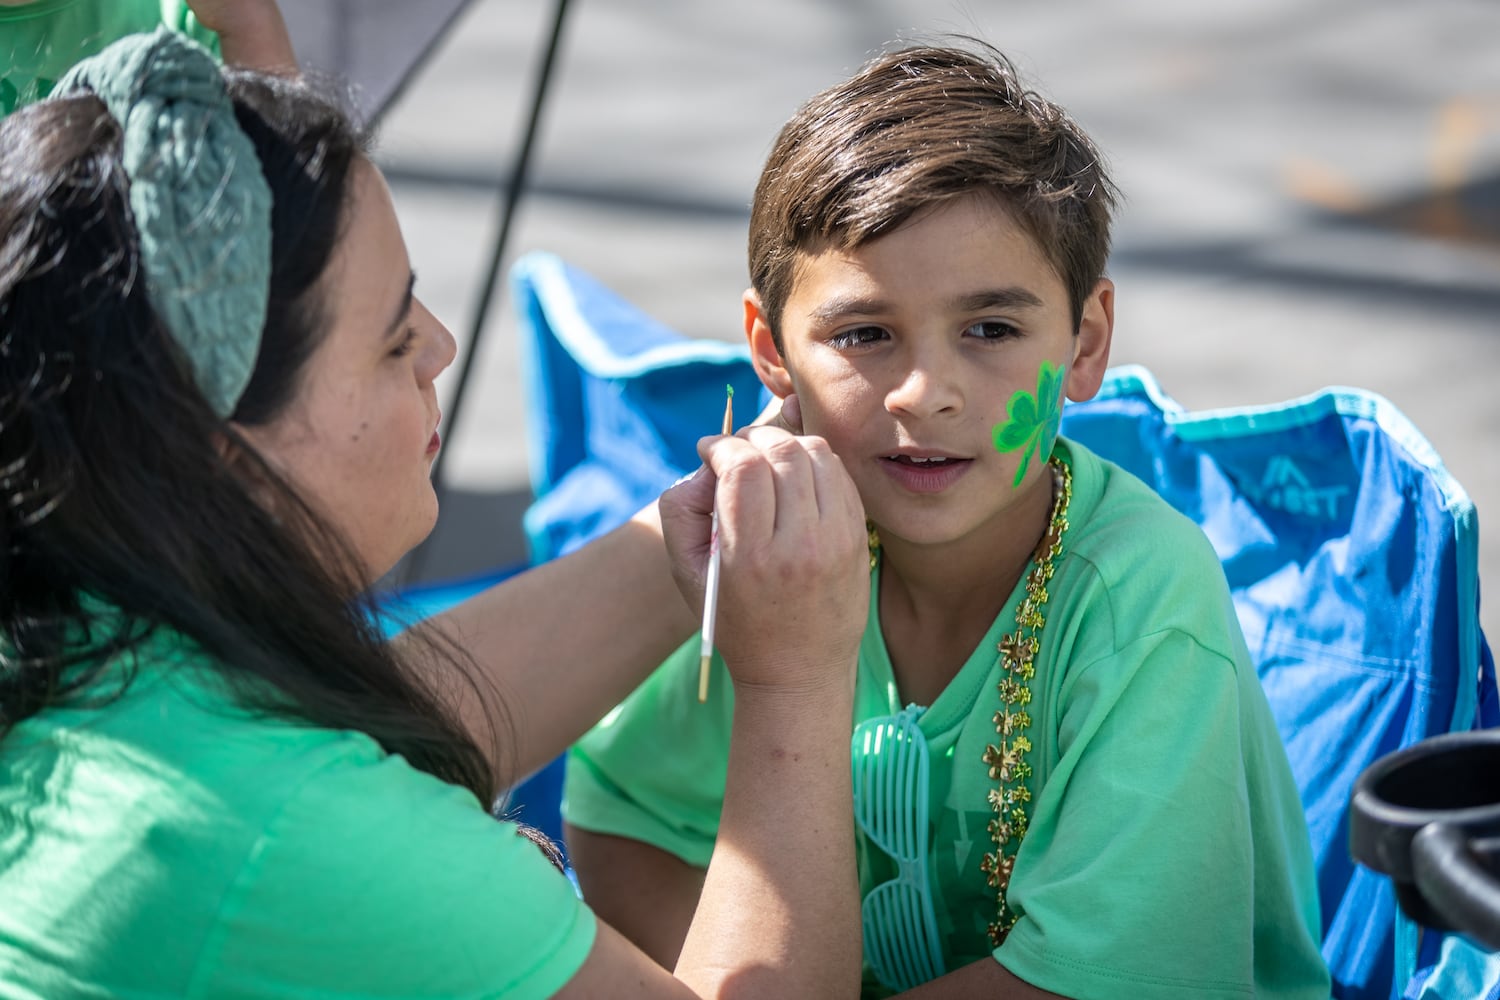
764	354
1096	326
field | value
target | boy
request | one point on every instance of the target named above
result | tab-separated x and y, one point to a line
1067	778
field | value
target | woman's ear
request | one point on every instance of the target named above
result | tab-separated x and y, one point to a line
1096	327
764	354
226	443
235	445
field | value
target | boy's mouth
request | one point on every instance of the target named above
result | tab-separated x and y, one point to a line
921	463
925	473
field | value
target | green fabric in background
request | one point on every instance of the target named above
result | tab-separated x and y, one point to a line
40	41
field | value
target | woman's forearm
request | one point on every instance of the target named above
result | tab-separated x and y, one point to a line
564	642
779	911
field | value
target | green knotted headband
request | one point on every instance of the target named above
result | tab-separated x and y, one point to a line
202	207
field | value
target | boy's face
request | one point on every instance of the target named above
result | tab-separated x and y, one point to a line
905	355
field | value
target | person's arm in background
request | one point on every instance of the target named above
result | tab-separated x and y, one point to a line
644	892
252	33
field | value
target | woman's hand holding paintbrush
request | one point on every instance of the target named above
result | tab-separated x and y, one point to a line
793	553
690	501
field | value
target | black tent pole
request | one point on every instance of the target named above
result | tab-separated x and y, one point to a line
517	182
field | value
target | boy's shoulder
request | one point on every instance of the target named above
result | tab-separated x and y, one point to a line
1111	507
1131	553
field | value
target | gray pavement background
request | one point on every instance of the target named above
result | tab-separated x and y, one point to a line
1312	192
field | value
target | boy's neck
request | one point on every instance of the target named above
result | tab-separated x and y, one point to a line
936	602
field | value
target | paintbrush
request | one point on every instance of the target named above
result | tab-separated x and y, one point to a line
711	580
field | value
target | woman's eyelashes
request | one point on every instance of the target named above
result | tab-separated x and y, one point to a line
408	342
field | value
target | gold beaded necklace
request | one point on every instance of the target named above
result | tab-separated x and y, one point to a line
1007	757
1007	761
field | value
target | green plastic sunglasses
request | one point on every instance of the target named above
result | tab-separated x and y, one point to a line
889	759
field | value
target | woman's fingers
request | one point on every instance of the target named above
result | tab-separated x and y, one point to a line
837	497
794	584
746	494
785	413
791	414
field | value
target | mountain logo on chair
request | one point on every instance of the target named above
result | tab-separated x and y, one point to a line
1285	487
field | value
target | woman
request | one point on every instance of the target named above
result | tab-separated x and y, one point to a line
217	419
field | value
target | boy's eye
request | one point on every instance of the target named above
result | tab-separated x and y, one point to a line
857	336
408	341
992	329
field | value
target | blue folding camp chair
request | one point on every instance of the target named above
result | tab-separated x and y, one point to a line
1351	552
1352	555
615	402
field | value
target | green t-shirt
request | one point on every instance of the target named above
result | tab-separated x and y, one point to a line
40	41
169	844
1167	854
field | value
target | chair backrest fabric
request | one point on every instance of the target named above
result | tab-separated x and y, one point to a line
1351	552
615	402
1352	555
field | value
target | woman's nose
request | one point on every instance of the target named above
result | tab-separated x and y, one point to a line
441	347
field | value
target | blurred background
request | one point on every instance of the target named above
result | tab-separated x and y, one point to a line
1312	188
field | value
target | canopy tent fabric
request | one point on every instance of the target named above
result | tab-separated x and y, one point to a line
377	46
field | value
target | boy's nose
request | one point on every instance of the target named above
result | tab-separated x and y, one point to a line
925	391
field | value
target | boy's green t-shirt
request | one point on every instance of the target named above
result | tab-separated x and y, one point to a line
169	844
40	41
1167	854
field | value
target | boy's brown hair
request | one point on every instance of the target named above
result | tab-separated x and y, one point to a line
914	128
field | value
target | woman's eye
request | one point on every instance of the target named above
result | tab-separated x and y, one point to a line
992	329
857	337
408	341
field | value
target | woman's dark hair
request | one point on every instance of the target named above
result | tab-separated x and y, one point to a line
119	485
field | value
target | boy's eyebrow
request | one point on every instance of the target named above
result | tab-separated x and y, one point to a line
841	306
1009	297
404	309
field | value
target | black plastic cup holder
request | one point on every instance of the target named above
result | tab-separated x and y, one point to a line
1428	816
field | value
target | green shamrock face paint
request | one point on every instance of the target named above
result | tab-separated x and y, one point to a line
1032	422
